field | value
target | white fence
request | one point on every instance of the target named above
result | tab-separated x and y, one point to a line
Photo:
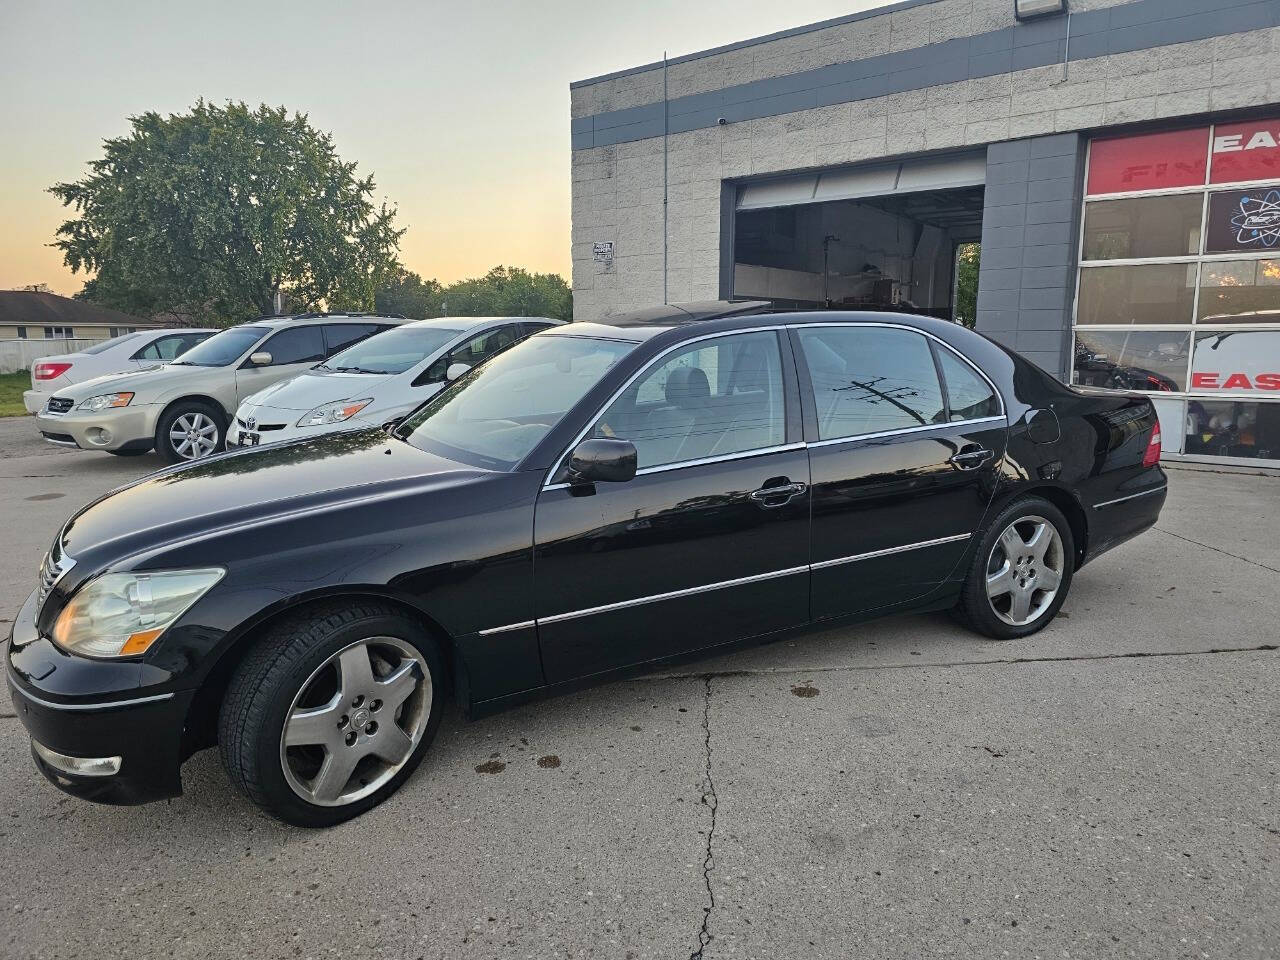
18	355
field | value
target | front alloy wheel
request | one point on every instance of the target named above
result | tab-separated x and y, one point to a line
356	721
193	436
330	711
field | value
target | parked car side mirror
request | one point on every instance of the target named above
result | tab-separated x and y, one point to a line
602	460
260	359
455	371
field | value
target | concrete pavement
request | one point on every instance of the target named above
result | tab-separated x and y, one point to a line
1106	788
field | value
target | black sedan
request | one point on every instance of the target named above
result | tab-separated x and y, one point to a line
596	501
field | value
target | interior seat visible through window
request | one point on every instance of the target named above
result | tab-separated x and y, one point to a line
705	400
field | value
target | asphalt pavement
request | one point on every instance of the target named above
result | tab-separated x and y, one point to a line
1107	788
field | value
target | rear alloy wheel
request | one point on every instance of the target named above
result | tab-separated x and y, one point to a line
189	431
1024	570
331	711
1021	571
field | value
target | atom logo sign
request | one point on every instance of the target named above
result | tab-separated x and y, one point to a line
1258	222
1244	220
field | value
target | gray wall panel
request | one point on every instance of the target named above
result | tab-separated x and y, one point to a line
1138	25
1026	284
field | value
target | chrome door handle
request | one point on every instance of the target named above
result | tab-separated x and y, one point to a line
971	459
771	497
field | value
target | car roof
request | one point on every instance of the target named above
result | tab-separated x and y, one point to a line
470	323
302	319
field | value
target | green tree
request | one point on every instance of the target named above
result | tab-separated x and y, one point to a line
406	293
968	260
510	292
502	292
214	212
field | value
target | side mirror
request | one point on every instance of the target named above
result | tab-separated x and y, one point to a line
455	371
260	359
604	460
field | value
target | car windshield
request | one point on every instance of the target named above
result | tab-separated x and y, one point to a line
495	415
392	352
98	348
222	348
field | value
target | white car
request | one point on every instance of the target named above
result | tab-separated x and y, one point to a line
127	353
378	380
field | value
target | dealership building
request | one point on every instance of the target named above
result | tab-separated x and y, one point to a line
1109	170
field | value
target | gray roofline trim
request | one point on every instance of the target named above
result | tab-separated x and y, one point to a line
740	44
1137	25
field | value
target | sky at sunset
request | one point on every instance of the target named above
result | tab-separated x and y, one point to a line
460	110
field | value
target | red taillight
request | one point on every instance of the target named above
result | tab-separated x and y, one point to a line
1152	455
50	371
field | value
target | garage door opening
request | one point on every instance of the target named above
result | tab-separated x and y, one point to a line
903	237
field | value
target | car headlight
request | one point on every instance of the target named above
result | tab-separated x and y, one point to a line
122	614
333	412
103	401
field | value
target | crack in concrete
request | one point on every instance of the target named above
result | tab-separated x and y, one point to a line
709	800
1081	658
1225	553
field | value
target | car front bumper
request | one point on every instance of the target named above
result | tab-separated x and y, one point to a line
239	434
114	429
142	727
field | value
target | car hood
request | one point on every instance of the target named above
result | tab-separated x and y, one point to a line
314	387
145	381
193	501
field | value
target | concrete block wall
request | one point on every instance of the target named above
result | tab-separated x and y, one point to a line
617	186
1030	237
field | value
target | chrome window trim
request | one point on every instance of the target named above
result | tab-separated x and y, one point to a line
902	430
823	564
632	379
1132	496
720	585
703	461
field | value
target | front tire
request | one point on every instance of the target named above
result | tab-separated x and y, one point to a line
331	712
1020	573
190	430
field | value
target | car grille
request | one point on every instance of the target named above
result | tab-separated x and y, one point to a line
57	406
259	426
53	568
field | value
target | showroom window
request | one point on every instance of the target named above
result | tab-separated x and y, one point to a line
1179	283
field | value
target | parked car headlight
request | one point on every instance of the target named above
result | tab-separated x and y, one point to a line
122	614
105	400
333	412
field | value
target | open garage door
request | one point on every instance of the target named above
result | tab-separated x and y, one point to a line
883	237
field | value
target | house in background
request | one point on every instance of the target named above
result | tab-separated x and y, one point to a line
37	314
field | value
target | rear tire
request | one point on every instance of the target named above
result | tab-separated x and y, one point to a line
190	430
1020	572
319	722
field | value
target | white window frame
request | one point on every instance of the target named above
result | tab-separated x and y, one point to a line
1192	326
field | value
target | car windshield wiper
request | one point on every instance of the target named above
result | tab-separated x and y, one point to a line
353	370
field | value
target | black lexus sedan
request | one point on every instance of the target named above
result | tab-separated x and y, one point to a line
598	500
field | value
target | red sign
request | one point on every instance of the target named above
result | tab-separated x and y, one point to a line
1246	151
1154	161
1237	361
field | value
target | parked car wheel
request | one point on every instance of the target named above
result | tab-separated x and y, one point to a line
1020	574
331	712
190	430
